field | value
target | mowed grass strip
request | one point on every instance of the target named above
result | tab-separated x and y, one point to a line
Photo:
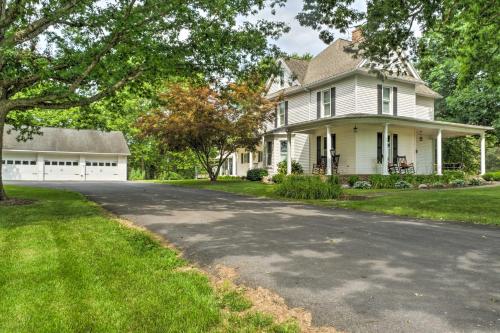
66	267
476	205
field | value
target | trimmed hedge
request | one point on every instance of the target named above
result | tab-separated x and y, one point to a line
256	174
309	187
492	175
296	168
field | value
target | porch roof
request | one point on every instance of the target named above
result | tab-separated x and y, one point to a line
451	129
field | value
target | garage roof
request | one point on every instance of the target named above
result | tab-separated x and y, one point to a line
68	140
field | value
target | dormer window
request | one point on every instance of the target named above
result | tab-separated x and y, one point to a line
386	100
282	79
326	103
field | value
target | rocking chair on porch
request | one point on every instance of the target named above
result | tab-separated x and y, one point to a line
320	167
403	165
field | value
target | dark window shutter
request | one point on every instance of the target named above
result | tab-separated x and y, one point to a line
334	143
276	117
394	148
333	101
318	104
379	147
379	98
318	149
286	112
395	100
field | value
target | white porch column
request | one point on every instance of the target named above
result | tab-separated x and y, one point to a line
288	153
483	153
328	148
250	160
385	150
439	152
235	159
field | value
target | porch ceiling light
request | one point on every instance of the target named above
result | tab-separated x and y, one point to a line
355	129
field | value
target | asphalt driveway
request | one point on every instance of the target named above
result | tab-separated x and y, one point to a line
359	272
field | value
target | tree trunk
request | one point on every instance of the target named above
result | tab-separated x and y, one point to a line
3	115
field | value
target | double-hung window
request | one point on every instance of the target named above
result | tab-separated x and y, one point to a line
386	100
283	150
282	80
269	152
326	103
281	114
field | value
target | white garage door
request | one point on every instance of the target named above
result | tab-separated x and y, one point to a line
62	170
102	170
17	169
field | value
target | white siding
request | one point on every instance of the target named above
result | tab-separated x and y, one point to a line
424	108
344	94
406	99
345	146
366	147
425	155
300	152
298	108
366	91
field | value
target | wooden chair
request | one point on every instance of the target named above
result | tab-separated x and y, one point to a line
335	161
393	168
404	166
320	168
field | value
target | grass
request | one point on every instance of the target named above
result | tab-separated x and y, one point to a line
476	205
67	267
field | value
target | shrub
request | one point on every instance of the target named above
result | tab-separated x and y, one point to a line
475	181
492	175
256	174
381	181
137	174
296	168
457	183
170	175
308	187
361	184
402	184
351	180
437	185
278	178
333	179
226	177
451	175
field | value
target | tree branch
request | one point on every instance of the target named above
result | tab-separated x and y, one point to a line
59	102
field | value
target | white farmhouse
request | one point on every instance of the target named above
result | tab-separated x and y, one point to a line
333	105
65	154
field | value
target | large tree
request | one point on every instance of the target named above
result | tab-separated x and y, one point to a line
210	121
58	54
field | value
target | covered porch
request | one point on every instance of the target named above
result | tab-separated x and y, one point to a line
376	144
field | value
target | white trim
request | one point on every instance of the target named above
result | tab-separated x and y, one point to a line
355	93
63	152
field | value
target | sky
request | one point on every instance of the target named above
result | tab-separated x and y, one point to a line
300	39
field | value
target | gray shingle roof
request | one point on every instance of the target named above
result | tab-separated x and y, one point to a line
69	140
335	60
331	61
298	67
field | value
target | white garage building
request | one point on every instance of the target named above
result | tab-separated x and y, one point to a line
65	154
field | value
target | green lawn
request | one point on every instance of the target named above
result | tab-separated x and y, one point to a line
477	205
67	267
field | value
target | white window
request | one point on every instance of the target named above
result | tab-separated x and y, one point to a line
326	103
386	100
283	150
282	79
281	114
245	158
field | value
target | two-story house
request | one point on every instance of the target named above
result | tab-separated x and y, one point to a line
334	103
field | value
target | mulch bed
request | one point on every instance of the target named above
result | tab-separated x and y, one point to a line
16	202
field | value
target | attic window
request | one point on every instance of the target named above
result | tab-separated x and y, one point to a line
282	79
